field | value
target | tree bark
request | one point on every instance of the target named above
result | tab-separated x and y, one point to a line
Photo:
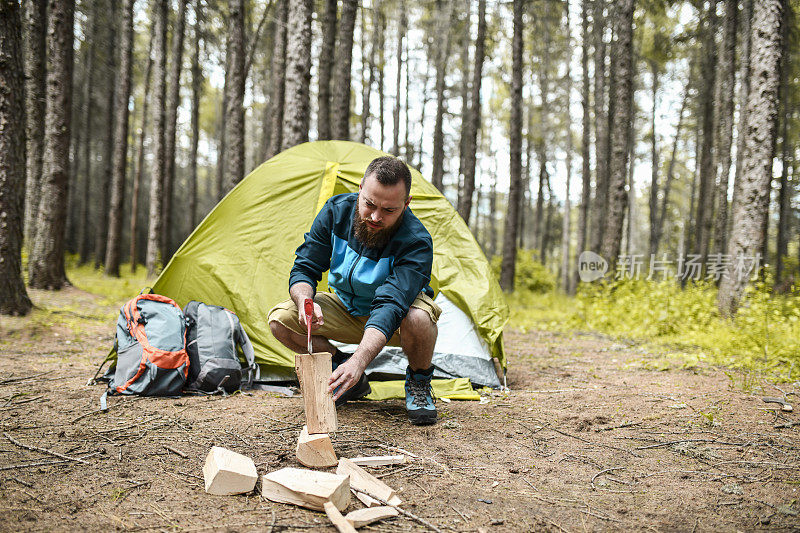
381	31
277	98
465	79
173	100
89	112
445	12
786	192
425	100
46	264
122	95
586	177
326	58
35	51
600	204
139	171
13	296
724	126
473	119
620	132
401	33
706	193
508	265
340	101
654	162
565	228
234	111
197	88
366	89
153	259
750	208
298	73
744	92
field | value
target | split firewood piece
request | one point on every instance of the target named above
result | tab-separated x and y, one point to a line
368	515
363	480
337	519
379	460
306	488
313	372
315	450
226	472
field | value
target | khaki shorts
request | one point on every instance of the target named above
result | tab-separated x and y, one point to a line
339	325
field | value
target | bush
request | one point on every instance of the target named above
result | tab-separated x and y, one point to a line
530	275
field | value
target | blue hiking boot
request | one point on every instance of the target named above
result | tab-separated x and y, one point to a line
419	397
357	391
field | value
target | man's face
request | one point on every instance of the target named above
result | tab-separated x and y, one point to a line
380	211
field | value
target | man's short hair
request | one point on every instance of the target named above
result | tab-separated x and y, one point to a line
390	170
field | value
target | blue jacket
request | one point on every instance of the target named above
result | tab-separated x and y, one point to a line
380	284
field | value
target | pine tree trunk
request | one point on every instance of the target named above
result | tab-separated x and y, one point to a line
744	92
599	206
173	100
708	178
654	163
366	89
586	178
326	58
425	100
298	73
13	296
153	259
670	176
620	132
139	172
89	112
786	192
401	33
724	110
465	79
277	99
539	229
234	112
122	95
197	87
443	54
565	228
493	216
508	265
381	31
473	120
340	101
102	219
46	264
223	113
35	30
750	208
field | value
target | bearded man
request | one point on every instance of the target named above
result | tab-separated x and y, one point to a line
379	258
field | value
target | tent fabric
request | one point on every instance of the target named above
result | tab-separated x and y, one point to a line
240	255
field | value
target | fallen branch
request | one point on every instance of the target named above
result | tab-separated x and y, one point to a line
44	450
176	451
43	463
400	510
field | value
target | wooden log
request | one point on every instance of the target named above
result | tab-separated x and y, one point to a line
336	518
315	450
226	472
379	460
306	488
368	515
313	372
363	480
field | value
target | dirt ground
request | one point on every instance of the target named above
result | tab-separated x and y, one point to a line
593	436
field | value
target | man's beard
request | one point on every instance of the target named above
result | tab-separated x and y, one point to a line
376	239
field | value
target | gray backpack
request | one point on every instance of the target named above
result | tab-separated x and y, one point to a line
212	336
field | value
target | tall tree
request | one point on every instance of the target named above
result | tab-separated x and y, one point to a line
723	115
708	174
465	79
786	187
89	114
541	144
140	150
586	178
622	73
46	263
445	12
601	121
565	228
170	126
122	95
197	87
366	89
473	119
401	34
344	58
13	296
750	207
381	37
35	25
234	111
326	58
508	265
278	73
298	73
744	90
153	258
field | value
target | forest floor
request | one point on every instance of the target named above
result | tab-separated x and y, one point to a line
593	435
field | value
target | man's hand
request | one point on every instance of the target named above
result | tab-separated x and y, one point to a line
299	292
316	318
345	376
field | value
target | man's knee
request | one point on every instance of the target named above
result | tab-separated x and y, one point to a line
417	322
279	331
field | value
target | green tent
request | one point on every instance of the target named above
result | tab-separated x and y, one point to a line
240	256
